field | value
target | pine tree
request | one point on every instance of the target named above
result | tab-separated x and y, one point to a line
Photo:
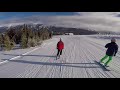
32	42
24	41
11	33
37	38
8	44
1	41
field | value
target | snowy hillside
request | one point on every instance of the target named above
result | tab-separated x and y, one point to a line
77	61
55	29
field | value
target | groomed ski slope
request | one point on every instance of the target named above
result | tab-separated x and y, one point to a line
77	61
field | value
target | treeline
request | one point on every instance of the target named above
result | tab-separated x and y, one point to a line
25	37
75	31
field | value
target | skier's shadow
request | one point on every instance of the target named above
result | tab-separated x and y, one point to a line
31	55
75	65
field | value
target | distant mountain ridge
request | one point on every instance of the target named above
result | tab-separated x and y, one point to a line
55	29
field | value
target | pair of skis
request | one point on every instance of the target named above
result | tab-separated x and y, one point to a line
57	57
103	66
61	61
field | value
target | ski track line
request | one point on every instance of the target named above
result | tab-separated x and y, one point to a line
73	57
108	73
33	69
87	70
37	75
27	73
66	74
51	70
93	55
77	50
37	68
65	68
85	74
98	74
52	74
85	54
97	69
89	57
20	55
28	70
48	70
47	75
77	72
111	68
25	54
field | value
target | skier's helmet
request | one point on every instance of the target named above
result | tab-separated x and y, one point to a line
113	40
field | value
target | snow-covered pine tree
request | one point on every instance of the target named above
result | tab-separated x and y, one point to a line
8	44
23	43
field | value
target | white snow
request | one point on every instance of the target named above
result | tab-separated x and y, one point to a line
77	61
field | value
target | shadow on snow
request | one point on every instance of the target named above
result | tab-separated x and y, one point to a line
75	65
30	55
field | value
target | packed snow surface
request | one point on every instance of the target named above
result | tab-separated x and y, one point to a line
77	61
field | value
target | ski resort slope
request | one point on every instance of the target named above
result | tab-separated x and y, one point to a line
77	61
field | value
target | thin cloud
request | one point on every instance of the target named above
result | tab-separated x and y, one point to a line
104	21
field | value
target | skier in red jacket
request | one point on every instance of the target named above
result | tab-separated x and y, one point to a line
60	47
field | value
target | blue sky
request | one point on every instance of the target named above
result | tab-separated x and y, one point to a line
104	21
8	15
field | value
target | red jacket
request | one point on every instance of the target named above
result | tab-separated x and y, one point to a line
60	45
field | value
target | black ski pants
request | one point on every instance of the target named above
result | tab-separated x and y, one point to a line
59	52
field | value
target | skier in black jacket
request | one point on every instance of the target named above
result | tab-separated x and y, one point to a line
111	51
